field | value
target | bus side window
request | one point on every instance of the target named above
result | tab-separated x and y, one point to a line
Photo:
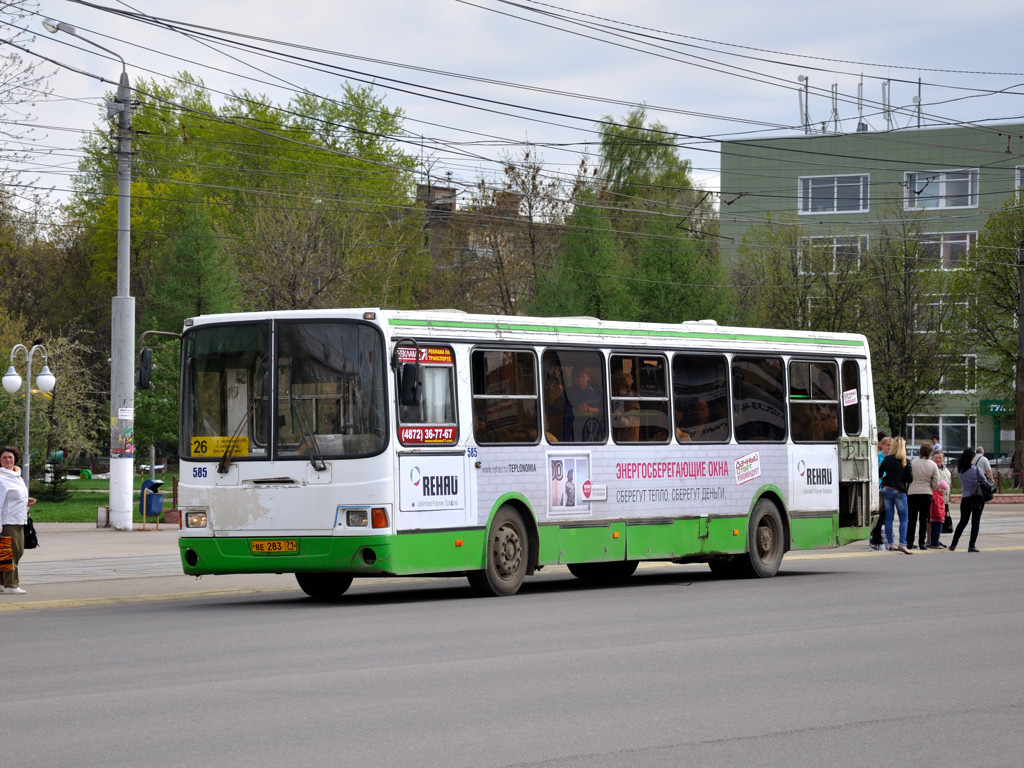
505	397
851	397
813	404
700	386
758	399
580	413
639	399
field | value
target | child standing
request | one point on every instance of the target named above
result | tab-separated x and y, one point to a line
938	514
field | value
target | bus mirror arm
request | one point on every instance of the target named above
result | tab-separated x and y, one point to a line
411	385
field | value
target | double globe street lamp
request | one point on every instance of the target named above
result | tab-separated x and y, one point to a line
44	383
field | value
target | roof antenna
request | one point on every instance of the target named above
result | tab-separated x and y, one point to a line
862	127
805	116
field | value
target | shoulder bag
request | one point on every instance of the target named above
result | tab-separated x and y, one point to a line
986	491
31	539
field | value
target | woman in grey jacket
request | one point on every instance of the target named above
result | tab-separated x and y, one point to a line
970	499
919	496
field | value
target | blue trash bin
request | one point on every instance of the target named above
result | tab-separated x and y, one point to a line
153	501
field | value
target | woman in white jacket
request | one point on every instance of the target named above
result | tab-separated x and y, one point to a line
14	504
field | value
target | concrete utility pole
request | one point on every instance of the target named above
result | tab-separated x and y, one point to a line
1018	395
122	311
122	326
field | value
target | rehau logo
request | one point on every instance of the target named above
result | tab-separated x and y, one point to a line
440	485
815	475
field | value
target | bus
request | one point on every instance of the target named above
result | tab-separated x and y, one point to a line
336	444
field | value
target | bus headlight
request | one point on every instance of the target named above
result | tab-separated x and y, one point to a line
195	518
356	518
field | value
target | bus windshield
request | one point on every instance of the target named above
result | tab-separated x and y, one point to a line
327	399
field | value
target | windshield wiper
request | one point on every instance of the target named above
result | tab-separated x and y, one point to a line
308	437
225	460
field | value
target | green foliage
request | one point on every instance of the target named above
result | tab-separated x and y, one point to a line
639	244
892	293
156	408
588	277
990	275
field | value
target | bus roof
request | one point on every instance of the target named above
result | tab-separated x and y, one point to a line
455	325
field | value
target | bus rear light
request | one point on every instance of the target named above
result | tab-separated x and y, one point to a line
356	518
195	518
380	517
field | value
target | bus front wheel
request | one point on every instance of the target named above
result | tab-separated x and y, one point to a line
508	551
766	540
324	586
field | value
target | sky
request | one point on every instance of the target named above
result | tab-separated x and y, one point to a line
477	79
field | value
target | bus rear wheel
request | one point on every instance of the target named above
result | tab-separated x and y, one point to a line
506	557
604	573
324	586
766	539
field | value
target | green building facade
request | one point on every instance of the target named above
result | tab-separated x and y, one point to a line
840	187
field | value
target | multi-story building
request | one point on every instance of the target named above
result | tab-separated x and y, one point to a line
839	187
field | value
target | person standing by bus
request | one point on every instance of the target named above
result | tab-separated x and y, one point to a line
938	514
919	496
884	449
893	474
14	504
971	503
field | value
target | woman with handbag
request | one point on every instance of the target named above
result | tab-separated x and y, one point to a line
971	503
895	474
14	504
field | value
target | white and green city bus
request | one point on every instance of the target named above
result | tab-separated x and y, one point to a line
366	442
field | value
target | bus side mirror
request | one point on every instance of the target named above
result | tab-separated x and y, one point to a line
410	384
145	367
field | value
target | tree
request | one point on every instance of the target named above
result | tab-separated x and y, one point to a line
589	276
906	297
23	80
786	279
68	418
992	275
652	254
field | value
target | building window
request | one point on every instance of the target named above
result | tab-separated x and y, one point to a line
941	189
947	248
955	432
961	376
937	313
839	254
833	194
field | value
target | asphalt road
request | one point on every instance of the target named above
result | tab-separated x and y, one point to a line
848	658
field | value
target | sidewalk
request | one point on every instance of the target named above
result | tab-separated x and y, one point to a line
78	562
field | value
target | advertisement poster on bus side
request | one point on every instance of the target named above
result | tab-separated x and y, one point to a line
814	477
570	484
431	490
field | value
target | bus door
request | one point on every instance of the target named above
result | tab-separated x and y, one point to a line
432	470
814	424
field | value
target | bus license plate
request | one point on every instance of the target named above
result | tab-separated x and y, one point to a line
274	546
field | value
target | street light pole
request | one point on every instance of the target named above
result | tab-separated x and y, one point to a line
122	310
12	383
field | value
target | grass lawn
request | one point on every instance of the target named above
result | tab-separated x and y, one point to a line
86	495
